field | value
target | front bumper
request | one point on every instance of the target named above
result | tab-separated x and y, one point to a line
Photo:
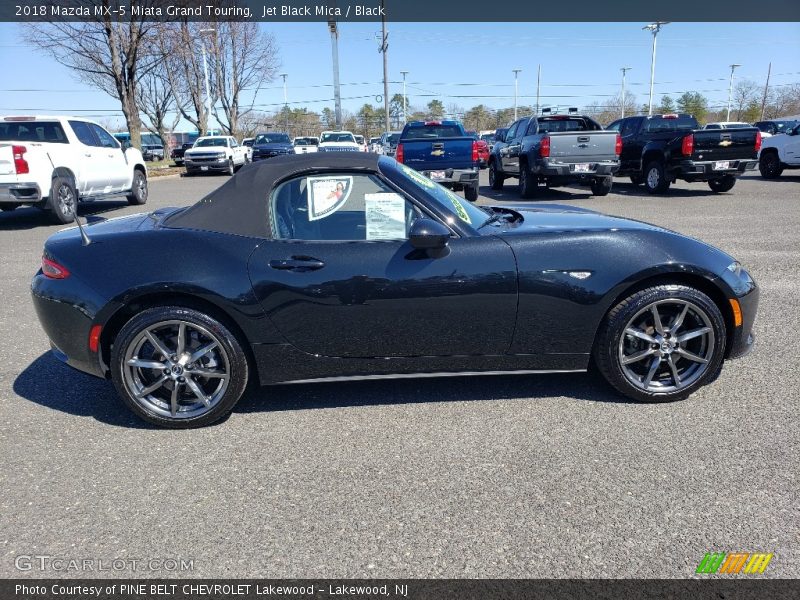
743	338
266	155
16	193
217	164
705	170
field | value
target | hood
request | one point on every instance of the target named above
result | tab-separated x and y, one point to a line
206	150
285	146
560	217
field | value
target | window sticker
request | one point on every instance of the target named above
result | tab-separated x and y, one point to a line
326	195
418	177
460	211
386	216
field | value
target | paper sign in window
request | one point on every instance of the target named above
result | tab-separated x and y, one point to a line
326	195
386	216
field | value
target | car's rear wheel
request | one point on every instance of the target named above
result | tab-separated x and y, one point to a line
602	186
528	186
769	165
178	367
655	179
723	184
138	195
496	178
661	344
63	200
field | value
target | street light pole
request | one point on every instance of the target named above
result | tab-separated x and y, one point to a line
624	70
205	75
385	49
516	90
285	104
654	28
405	118
337	94
730	91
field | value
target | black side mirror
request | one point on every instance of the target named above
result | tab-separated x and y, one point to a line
427	234
500	137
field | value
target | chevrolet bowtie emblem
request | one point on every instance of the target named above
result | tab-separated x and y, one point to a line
725	143
437	153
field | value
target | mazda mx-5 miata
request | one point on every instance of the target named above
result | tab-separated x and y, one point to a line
328	266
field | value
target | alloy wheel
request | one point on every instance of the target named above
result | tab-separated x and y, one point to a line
666	346
66	200
176	369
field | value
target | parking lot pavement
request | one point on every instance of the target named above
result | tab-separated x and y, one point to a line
504	476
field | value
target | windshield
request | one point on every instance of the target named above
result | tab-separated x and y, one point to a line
393	138
272	138
219	141
488	137
450	202
338	137
736	126
360	139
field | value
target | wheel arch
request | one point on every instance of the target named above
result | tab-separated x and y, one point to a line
695	278
114	323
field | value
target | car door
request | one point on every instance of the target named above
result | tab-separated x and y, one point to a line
119	173
92	178
340	278
509	154
792	146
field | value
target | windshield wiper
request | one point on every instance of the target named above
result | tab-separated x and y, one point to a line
492	219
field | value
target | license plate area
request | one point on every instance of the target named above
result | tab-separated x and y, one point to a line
204	168
582	168
437	175
721	165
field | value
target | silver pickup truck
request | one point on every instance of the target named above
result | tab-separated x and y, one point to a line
555	150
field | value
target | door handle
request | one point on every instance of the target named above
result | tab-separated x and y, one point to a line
88	154
297	263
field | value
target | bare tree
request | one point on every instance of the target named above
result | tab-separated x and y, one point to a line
156	100
745	93
107	52
243	57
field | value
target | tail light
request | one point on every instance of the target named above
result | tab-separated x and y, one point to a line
687	145
544	147
53	270
758	141
618	145
20	164
398	154
474	151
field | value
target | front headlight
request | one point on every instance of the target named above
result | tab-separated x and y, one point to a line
736	268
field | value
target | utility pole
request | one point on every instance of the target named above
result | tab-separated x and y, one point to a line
285	105
385	49
405	117
624	70
337	94
730	92
205	75
516	90
654	28
538	86
766	90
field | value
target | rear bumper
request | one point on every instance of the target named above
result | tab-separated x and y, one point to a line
568	170
704	170
455	177
16	193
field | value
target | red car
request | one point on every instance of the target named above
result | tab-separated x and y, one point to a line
483	149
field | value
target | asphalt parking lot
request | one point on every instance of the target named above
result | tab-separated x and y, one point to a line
503	476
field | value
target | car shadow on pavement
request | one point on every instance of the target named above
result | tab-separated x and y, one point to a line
52	384
560	195
27	217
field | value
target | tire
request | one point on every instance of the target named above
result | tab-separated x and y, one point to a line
528	186
496	179
63	200
471	193
602	186
770	165
168	393
138	195
723	184
651	375
637	179
231	167
655	179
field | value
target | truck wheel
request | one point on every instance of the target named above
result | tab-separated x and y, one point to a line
723	184
231	167
655	179
770	165
63	200
602	186
637	179
471	193
496	179
138	195
527	183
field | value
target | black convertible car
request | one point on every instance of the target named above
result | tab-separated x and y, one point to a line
346	265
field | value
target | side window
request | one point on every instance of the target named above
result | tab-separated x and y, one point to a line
339	207
83	133
233	143
512	132
106	139
531	127
629	127
615	126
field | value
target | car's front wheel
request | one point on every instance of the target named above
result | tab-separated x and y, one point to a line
231	167
661	344
471	193
178	367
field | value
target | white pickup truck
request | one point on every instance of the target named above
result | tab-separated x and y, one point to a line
54	162
216	153
779	152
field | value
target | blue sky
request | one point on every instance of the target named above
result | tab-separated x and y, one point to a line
461	63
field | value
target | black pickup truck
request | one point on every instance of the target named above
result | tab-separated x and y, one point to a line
661	149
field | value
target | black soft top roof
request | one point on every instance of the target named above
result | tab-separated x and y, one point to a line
240	205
